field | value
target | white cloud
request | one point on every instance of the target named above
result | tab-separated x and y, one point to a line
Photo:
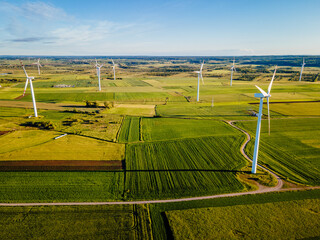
43	10
39	25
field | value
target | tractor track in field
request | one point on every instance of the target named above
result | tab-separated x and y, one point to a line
277	188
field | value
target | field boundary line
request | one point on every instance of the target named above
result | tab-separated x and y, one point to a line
266	190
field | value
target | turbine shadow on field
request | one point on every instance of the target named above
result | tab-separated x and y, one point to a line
185	170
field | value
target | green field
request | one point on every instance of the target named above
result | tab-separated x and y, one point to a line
154	129
292	149
42	146
162	230
166	145
130	130
60	186
75	222
256	221
183	168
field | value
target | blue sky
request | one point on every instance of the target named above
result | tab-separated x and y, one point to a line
160	27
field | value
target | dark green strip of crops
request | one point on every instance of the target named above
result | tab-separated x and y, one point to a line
186	167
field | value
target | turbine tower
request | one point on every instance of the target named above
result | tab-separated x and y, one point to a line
98	73
114	69
29	79
199	76
38	65
302	67
233	68
261	95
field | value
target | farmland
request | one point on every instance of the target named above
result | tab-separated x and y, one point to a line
292	149
60	186
230	223
144	137
183	168
65	222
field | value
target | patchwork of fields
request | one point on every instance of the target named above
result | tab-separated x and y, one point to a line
160	144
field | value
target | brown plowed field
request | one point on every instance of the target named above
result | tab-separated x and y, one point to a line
61	165
4	132
21	96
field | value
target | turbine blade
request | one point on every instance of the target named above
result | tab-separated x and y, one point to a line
201	66
25	72
270	85
25	87
263	92
112	62
201	78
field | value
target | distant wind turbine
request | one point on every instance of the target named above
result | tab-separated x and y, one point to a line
98	73
233	68
302	67
38	64
29	79
114	69
261	95
199	76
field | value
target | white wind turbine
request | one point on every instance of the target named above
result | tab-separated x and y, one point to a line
261	95
38	65
29	79
98	73
199	76
233	68
114	69
302	67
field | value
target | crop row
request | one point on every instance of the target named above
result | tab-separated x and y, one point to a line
183	168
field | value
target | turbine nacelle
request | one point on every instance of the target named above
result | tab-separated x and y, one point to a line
260	95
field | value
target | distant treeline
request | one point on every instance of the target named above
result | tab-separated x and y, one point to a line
285	60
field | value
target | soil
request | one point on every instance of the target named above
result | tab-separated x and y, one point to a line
21	96
61	165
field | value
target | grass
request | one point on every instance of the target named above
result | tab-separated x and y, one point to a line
42	146
16	140
99	126
60	186
256	221
70	96
160	226
225	112
141	96
130	130
292	149
311	109
75	222
133	110
183	168
171	128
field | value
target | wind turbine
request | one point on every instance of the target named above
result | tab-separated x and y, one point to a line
38	64
98	73
29	79
233	68
302	66
114	69
261	95
199	76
